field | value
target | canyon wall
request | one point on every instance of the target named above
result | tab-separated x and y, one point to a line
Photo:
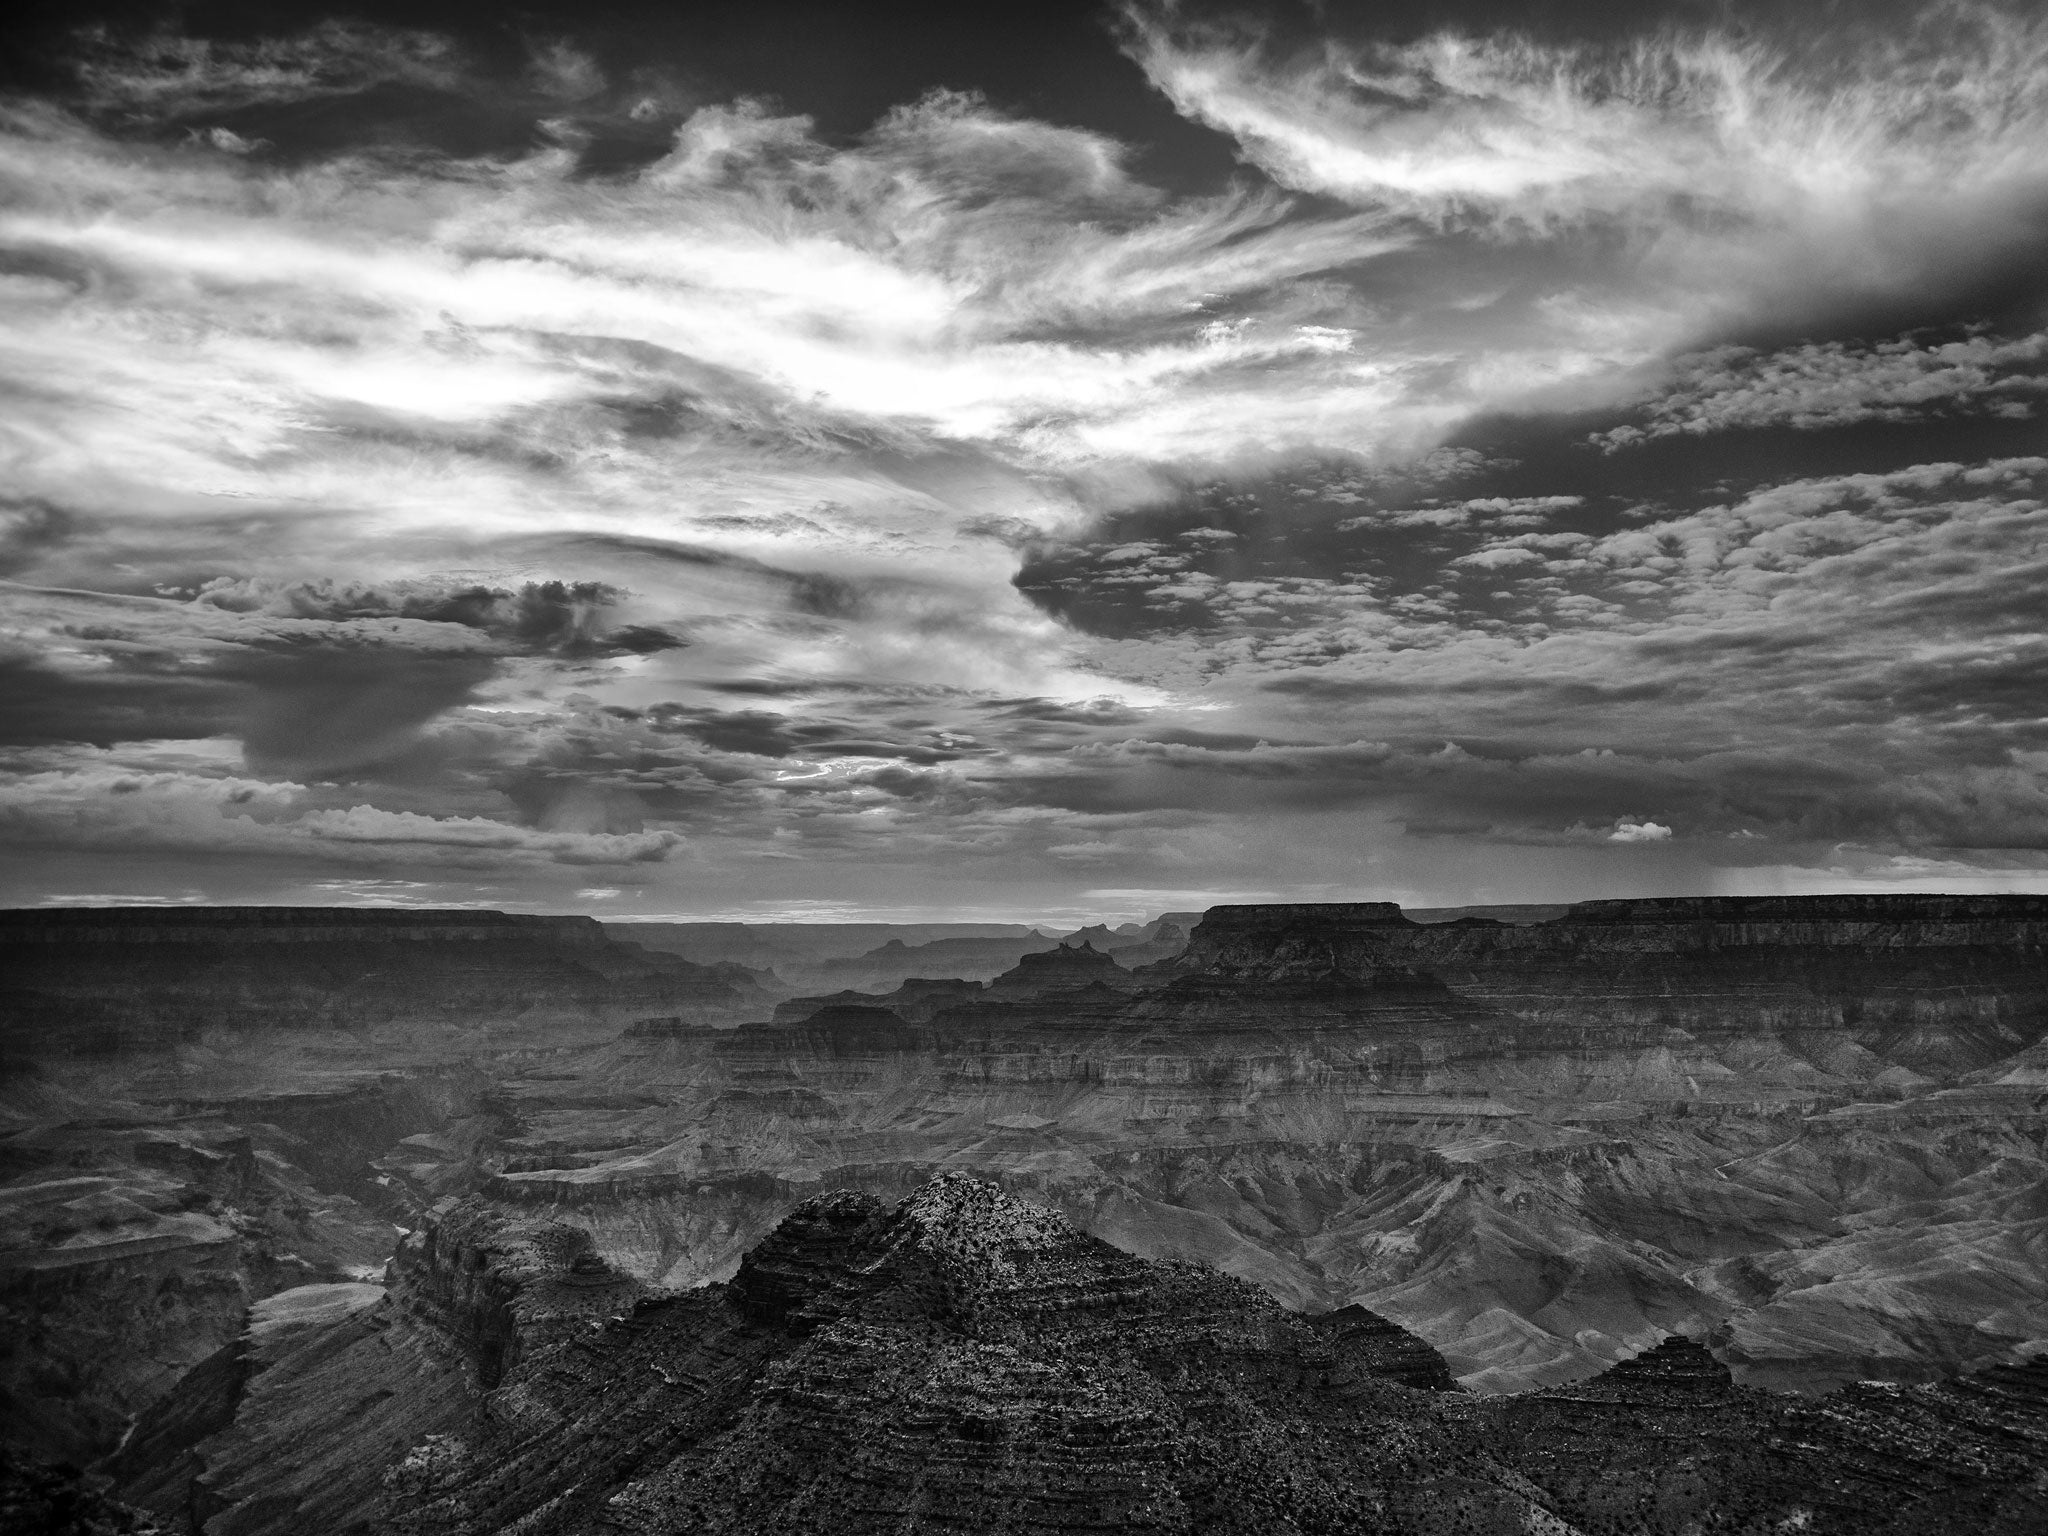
1810	1129
112	982
1808	1132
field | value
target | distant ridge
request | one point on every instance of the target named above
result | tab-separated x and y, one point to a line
1924	906
29	925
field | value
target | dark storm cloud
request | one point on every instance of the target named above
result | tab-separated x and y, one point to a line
314	678
321	711
537	617
148	699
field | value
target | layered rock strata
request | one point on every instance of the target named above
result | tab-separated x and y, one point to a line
961	1360
129	1251
103	983
1541	1146
1929	985
1544	1145
293	1427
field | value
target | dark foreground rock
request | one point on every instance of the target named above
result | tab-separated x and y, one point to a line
963	1361
45	1499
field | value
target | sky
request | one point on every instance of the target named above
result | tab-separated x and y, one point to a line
1021	462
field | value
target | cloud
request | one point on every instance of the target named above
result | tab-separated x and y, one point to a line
562	618
1834	384
171	74
312	678
90	807
1739	176
1629	830
713	502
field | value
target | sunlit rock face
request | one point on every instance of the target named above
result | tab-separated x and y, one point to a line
962	1359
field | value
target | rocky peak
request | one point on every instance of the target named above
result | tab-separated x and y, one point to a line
839	1385
959	1249
1677	1365
978	1228
1094	935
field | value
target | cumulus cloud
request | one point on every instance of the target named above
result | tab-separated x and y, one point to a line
1629	830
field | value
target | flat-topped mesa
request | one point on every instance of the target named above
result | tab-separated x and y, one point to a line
1290	933
116	981
1934	984
1894	921
1255	934
1312	964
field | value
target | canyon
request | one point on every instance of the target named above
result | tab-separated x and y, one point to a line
964	1360
1804	1133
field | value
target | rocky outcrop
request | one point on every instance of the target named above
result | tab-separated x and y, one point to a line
963	1360
1667	1442
960	1360
39	1499
293	1426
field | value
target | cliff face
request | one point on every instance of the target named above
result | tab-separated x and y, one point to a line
1928	983
131	1250
963	1360
199	1110
1509	1137
110	982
